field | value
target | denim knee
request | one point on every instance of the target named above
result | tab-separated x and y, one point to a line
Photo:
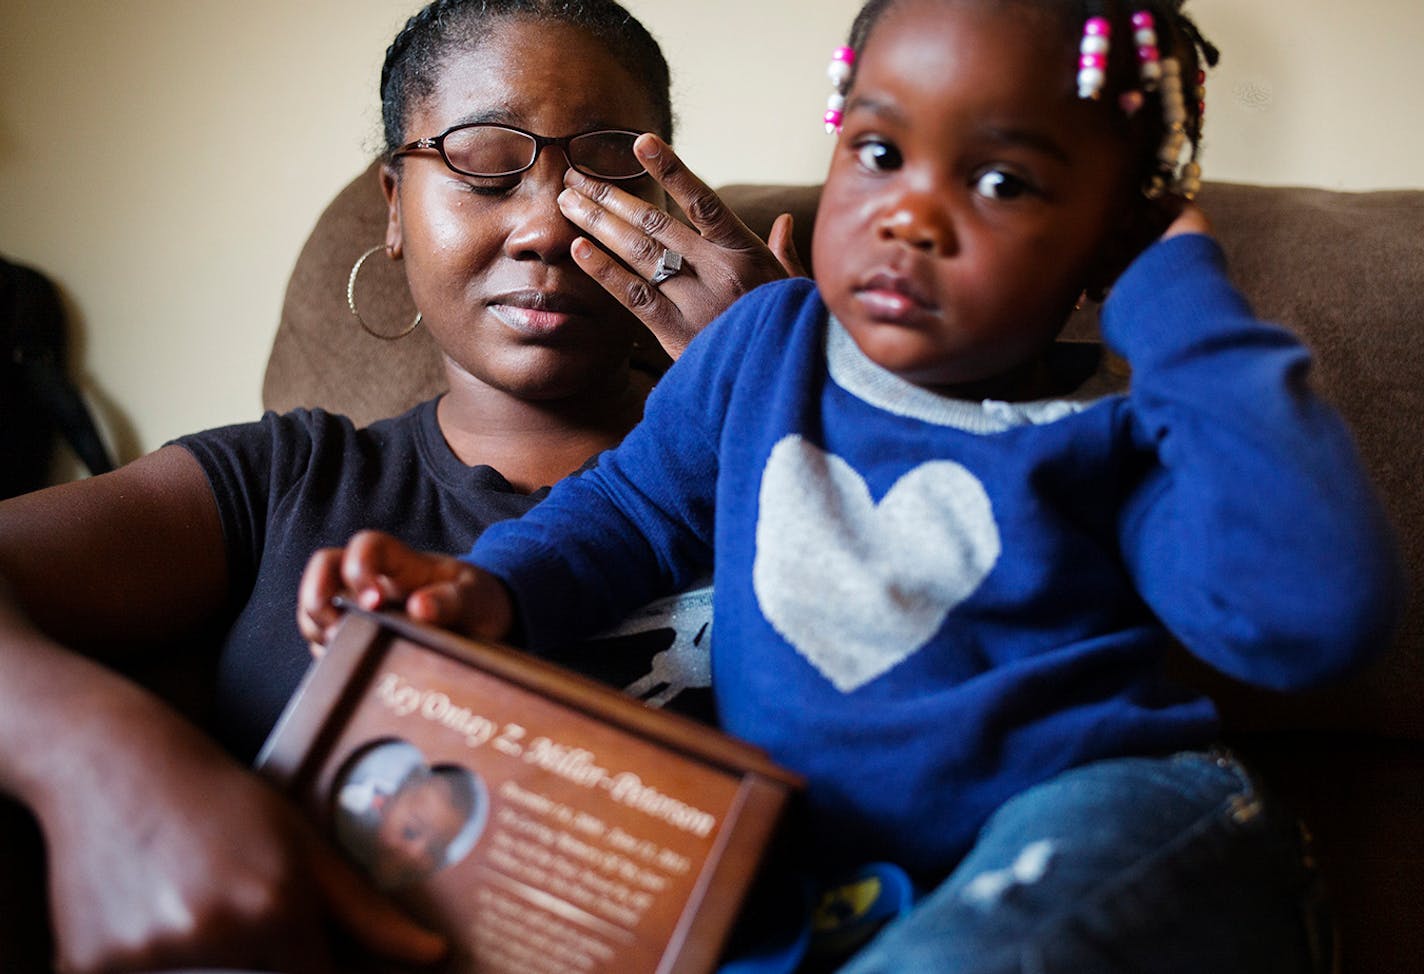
1175	864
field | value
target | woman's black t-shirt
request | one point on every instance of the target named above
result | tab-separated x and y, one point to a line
291	483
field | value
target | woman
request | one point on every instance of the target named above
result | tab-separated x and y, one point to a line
163	848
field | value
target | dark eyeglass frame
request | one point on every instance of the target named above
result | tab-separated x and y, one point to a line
541	142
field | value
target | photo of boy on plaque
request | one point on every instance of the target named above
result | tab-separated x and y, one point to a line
402	820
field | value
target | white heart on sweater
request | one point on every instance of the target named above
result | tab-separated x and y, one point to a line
858	587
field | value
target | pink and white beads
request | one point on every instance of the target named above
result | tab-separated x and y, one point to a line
1093	57
839	71
1149	58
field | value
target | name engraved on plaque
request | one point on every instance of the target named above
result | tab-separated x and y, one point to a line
570	762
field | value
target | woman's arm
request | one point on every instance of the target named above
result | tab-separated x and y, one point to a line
117	562
161	849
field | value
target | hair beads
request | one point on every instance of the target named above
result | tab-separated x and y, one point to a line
1177	170
1093	57
1149	58
1187	180
1189	183
839	70
1165	42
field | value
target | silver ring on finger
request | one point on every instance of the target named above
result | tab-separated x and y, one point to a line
669	265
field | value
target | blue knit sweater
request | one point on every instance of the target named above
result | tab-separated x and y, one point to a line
925	605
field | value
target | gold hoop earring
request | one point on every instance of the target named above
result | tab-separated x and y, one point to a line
351	301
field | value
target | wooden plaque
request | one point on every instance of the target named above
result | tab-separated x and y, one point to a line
543	821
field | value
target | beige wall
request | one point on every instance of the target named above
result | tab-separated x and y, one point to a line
164	160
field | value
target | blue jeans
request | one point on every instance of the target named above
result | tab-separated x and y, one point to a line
1174	864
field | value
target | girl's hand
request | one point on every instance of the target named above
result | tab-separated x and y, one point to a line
164	853
1190	219
377	570
722	258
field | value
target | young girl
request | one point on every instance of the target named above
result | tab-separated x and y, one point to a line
947	569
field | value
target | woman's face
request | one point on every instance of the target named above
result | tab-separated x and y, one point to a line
488	261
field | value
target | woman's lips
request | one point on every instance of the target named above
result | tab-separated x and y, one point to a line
528	321
535	313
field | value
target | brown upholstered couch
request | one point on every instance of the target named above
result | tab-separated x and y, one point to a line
1345	270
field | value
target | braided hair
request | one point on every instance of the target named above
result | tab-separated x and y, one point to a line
1178	40
445	27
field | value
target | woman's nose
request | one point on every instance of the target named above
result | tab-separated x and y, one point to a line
539	229
919	219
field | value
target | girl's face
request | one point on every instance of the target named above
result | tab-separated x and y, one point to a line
488	261
971	194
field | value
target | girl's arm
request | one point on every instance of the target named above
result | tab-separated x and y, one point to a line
161	850
640	524
1252	530
377	569
636	526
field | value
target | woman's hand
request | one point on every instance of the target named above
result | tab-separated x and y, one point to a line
377	570
722	258
162	852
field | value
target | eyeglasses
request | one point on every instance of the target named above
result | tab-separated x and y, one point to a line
488	150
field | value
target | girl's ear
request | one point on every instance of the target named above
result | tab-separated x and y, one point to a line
390	188
1141	223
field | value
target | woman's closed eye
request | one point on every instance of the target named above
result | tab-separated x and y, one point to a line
1000	184
490	187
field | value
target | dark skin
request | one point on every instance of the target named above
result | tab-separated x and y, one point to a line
570	386
971	199
163	852
535	350
114	854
